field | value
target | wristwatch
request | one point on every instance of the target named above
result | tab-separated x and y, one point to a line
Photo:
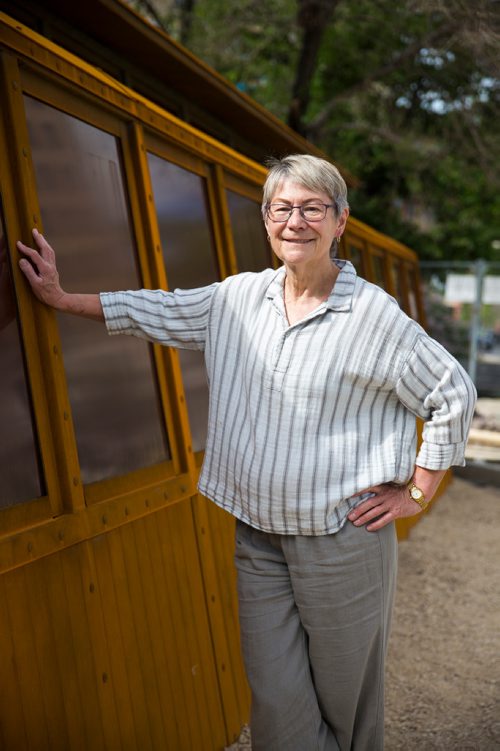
417	495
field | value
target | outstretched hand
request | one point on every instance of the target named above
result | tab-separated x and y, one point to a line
39	268
389	502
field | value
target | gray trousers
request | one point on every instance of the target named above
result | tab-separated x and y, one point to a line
315	616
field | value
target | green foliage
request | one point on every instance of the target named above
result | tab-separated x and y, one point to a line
404	95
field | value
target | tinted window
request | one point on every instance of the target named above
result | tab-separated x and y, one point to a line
249	235
112	387
188	250
19	468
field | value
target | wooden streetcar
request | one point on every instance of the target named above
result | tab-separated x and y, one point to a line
118	620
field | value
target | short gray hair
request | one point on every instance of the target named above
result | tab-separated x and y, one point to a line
309	171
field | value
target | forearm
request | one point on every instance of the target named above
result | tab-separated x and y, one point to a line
86	306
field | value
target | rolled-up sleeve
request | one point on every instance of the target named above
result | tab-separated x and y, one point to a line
176	319
435	387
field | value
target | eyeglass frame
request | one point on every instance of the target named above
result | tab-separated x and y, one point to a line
300	208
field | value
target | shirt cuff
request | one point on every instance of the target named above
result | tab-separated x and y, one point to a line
115	316
436	456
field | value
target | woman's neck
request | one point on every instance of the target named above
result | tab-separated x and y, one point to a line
314	283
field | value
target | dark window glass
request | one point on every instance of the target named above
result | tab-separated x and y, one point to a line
183	218
356	257
112	387
249	235
412	293
378	270
396	280
19	469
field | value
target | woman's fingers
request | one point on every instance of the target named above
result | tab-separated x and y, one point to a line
29	271
390	502
40	269
46	250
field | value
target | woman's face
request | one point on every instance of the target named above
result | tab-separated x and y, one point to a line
296	241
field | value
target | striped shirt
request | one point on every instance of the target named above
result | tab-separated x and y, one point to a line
304	416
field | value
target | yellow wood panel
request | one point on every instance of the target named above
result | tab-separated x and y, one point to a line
218	615
131	648
26	662
76	605
50	578
186	567
222	530
146	648
44	621
12	720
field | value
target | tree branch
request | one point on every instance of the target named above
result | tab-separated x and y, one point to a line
313	129
149	8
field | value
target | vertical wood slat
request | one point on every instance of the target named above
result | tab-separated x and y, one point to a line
215	530
131	646
144	643
64	652
191	595
76	604
173	647
42	619
223	532
114	626
13	733
25	656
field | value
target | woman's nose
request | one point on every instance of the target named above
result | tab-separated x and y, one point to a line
296	219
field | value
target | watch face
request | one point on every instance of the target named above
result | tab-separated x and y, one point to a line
416	493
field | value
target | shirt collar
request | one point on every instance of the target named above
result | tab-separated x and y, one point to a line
340	298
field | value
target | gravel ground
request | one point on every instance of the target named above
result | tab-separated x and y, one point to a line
443	672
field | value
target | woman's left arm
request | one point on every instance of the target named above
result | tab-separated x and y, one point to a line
435	387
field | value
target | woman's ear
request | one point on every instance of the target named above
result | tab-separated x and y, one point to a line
343	220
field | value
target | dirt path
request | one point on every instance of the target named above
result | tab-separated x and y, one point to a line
443	679
443	673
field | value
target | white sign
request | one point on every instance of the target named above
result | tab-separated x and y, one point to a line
462	288
491	290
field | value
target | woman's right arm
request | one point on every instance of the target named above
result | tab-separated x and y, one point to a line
39	268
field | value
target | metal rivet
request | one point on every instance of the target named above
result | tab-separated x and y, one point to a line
104	677
75	481
189	449
183	488
104	519
181	398
91	587
25	152
126	511
223	667
203	530
150	197
14	85
65	415
213	598
157	248
55	350
35	219
61	534
146	502
30	547
165	495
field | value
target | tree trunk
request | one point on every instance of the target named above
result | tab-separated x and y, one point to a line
312	17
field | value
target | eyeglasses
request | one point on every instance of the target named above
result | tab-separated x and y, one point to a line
311	212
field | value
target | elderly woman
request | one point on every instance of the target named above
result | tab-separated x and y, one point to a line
315	380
